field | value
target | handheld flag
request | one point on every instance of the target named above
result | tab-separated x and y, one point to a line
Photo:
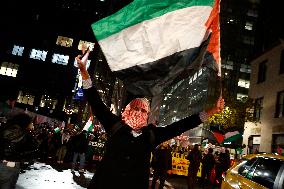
150	44
89	125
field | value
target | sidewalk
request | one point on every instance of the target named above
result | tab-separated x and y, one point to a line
45	176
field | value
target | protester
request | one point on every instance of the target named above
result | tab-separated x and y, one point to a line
222	164
16	145
7	103
208	163
194	158
126	162
80	147
61	152
162	164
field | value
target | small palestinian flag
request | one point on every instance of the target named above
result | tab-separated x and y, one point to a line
89	125
232	136
57	130
149	44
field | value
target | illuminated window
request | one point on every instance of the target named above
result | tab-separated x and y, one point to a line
64	41
248	26
245	68
9	69
17	50
230	20
38	54
240	96
47	101
87	44
60	59
228	65
243	83
25	98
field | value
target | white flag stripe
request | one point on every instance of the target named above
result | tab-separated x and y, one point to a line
154	39
229	134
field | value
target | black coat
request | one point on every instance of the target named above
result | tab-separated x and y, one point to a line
162	160
17	144
126	162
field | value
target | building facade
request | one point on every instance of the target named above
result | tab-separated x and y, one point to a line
37	57
267	89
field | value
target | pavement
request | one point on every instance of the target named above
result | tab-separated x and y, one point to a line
48	176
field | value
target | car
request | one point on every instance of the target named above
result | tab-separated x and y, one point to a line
256	171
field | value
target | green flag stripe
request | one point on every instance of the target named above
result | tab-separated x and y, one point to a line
139	11
232	138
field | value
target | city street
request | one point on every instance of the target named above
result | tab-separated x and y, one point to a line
43	176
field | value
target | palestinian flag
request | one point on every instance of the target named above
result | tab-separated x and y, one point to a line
219	136
57	130
232	136
149	44
89	125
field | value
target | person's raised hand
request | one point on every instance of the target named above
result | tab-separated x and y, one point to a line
82	62
219	106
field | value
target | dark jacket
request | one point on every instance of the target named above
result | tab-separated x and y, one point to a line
80	143
208	161
17	144
162	159
194	158
126	161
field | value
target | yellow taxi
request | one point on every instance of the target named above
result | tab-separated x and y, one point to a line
256	171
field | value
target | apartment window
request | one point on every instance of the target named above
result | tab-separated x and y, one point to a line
87	44
9	69
282	62
60	59
241	96
245	68
279	105
243	83
248	26
64	41
258	108
47	101
17	50
38	54
262	72
25	98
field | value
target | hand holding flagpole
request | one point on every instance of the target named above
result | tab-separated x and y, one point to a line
82	61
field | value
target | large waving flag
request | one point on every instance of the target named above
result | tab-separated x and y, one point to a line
149	44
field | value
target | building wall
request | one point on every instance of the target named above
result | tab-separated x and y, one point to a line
268	89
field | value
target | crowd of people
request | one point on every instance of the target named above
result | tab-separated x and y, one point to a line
127	152
23	142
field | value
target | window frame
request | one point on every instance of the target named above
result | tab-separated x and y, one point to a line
262	69
278	105
258	107
281	66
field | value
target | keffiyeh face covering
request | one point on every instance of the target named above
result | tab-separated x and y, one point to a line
136	113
